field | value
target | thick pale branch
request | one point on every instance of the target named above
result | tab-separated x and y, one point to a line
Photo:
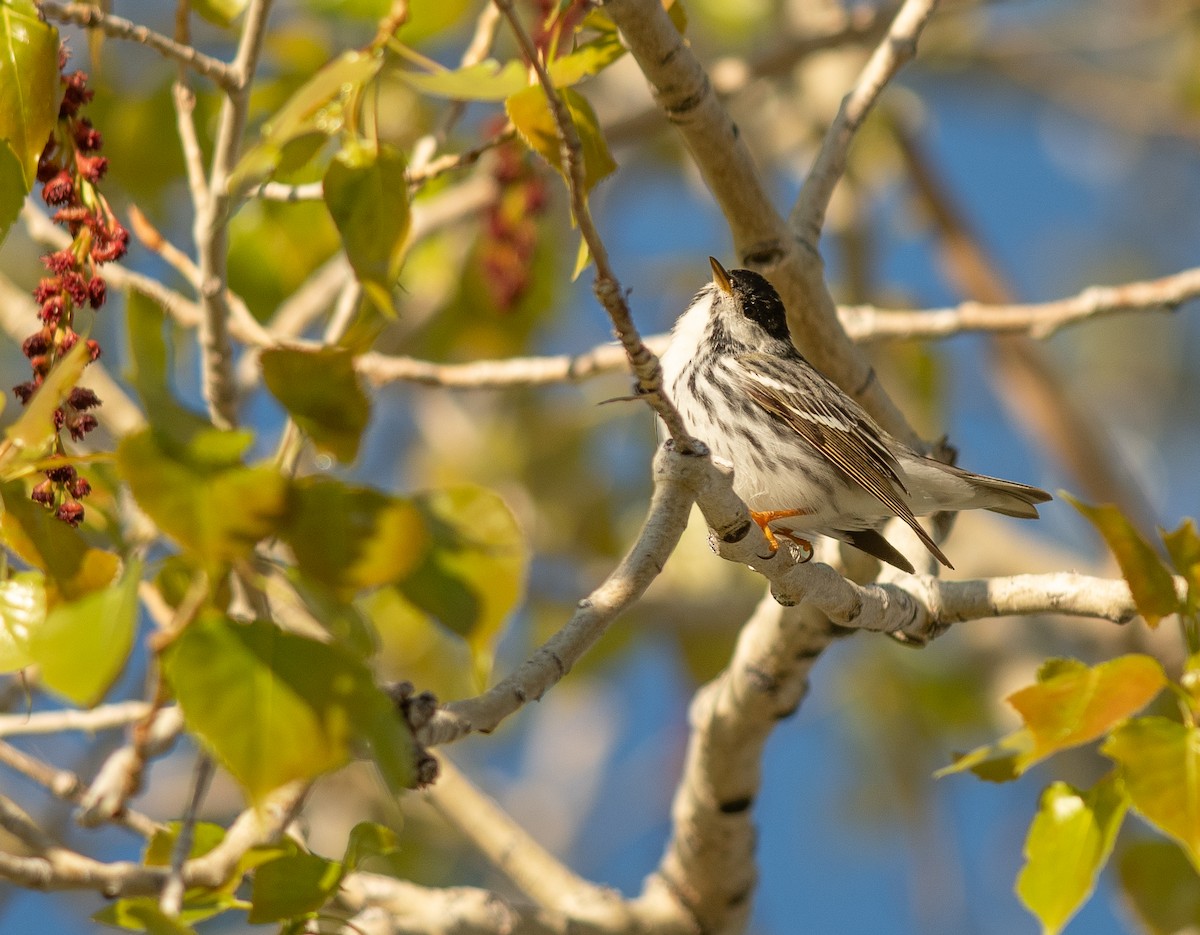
93	17
538	874
665	522
105	717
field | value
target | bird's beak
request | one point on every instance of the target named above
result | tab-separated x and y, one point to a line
720	276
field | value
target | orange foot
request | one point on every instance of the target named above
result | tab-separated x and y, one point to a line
763	519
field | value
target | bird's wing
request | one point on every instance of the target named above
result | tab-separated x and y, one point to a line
845	435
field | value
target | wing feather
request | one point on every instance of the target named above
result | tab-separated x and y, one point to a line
845	435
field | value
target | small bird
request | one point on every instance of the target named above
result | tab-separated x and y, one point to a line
807	459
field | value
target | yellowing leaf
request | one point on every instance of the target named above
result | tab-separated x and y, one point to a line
219	12
1069	842
1183	545
589	59
531	114
85	643
30	437
1159	761
1002	761
1075	704
1149	578
32	532
486	81
320	390
22	613
353	538
366	192
275	707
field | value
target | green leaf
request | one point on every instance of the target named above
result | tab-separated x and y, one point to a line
366	192
142	914
531	114
29	85
369	839
428	18
313	114
1183	546
32	532
1069	842
1160	886
216	511
320	390
474	571
292	886
32	435
352	538
589	59
85	643
22	613
275	707
1160	765
1072	704
488	80
219	12
1149	578
1002	761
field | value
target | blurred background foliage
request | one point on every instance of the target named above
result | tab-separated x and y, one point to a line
1065	134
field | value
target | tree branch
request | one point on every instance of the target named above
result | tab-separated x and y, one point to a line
665	522
93	17
535	871
897	48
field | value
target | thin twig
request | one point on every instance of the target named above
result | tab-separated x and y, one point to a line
896	49
104	717
171	900
642	361
665	522
93	17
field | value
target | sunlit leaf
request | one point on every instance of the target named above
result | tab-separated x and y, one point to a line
1073	704
161	847
314	113
1149	578
416	647
29	86
215	511
474	571
1070	704
488	80
1069	842
1161	887
320	390
352	538
531	114
32	532
589	59
12	188
31	436
85	643
276	707
366	192
219	12
428	18
1160	765
292	886
22	613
